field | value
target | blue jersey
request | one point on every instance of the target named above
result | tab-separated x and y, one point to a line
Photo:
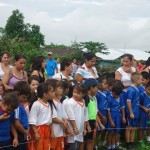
21	115
115	105
145	100
141	89
107	93
102	101
5	127
133	96
51	65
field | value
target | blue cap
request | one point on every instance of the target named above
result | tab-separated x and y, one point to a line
91	82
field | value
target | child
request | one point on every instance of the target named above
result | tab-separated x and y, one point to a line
144	113
7	106
116	115
132	108
77	116
40	117
102	102
21	119
60	123
145	80
91	104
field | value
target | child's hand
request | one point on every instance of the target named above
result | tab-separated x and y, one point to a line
28	136
112	124
132	116
37	137
15	142
84	132
76	131
68	131
89	129
4	116
104	119
123	120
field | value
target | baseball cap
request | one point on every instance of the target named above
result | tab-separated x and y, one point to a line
50	53
91	82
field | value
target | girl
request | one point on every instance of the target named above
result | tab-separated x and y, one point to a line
144	113
1	89
59	123
116	114
77	116
40	117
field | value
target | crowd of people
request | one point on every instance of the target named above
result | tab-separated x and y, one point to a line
71	107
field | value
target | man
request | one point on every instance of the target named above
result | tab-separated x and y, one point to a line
51	65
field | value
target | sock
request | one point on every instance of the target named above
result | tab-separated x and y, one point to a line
148	138
113	146
109	147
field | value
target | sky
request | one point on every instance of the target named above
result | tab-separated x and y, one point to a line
117	23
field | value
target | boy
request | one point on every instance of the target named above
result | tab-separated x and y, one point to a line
91	104
7	105
132	108
21	120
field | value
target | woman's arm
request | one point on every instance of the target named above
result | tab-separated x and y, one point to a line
118	76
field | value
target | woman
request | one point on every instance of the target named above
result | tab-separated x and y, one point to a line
66	69
4	65
88	69
38	68
16	73
124	72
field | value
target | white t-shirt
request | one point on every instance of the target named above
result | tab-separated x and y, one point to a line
60	76
58	128
2	72
41	114
80	115
126	77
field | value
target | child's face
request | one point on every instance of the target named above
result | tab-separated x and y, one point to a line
144	81
59	91
50	94
34	84
139	81
77	95
23	98
104	85
6	108
94	90
148	90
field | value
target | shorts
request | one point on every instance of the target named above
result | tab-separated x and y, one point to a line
133	122
89	135
57	143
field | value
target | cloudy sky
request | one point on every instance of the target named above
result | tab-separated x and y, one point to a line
117	23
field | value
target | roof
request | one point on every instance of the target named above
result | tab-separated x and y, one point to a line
116	53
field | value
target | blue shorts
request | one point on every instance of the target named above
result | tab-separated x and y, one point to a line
104	113
133	122
116	118
143	120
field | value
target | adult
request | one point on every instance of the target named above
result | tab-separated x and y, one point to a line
38	68
5	64
87	70
15	73
75	67
58	64
147	65
51	65
124	72
66	69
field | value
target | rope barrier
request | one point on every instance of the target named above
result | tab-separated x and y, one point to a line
72	135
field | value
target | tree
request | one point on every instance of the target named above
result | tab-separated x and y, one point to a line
15	25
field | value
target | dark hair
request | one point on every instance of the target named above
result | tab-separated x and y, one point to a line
147	62
80	88
147	85
89	55
129	56
7	53
11	99
117	87
65	63
65	83
111	81
19	56
33	77
101	79
72	83
22	88
145	75
37	63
